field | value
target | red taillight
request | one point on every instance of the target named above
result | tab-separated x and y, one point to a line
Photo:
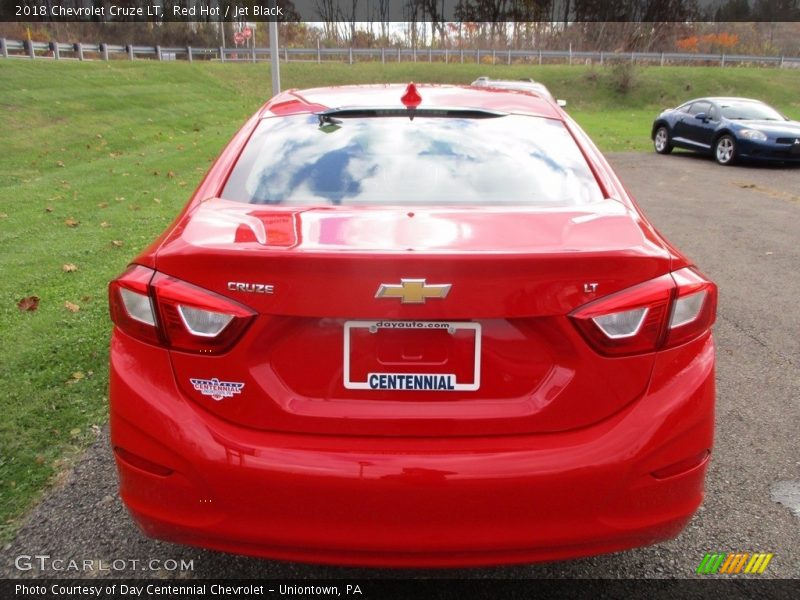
196	320
131	304
162	310
663	312
694	309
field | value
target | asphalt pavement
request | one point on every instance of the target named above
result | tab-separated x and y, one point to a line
741	226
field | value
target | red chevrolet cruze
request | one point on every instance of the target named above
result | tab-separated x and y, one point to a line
412	327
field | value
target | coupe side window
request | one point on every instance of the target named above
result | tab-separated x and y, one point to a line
699	107
713	113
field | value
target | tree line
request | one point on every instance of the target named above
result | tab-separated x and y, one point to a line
743	26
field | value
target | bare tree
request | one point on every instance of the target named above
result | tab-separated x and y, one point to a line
328	11
350	18
383	17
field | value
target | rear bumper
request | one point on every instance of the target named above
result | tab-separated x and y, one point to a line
412	501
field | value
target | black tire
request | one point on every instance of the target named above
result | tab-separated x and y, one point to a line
662	141
725	150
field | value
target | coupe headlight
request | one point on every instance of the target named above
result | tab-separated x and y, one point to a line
753	134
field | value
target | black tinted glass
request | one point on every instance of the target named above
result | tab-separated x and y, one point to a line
699	107
506	160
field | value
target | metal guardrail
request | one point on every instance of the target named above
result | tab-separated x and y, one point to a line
101	51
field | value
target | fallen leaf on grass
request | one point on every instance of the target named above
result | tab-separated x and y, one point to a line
3	215
117	243
71	307
102	205
60	163
29	304
71	222
171	174
39	459
69	268
105	224
75	432
76	377
48	209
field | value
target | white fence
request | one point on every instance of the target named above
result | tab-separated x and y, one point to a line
82	51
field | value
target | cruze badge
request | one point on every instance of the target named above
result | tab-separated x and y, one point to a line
253	288
413	291
217	389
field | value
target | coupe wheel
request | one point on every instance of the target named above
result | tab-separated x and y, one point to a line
725	150
661	141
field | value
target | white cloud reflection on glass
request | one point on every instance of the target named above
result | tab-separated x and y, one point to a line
393	161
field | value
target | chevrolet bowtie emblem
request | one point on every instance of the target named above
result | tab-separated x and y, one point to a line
413	291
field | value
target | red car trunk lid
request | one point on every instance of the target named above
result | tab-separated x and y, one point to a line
494	354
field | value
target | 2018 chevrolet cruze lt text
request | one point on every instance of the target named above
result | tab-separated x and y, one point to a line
412	326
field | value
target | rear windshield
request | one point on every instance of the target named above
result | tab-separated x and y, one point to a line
505	160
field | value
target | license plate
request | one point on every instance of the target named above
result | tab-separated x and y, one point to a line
436	356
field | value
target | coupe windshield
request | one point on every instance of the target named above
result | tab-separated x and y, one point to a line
746	111
393	160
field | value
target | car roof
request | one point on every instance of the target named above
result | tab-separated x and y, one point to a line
718	99
508	84
433	96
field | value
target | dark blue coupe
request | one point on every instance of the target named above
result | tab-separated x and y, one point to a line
729	129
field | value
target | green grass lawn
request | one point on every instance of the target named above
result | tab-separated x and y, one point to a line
97	158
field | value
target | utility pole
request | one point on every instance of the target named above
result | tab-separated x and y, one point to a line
273	55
